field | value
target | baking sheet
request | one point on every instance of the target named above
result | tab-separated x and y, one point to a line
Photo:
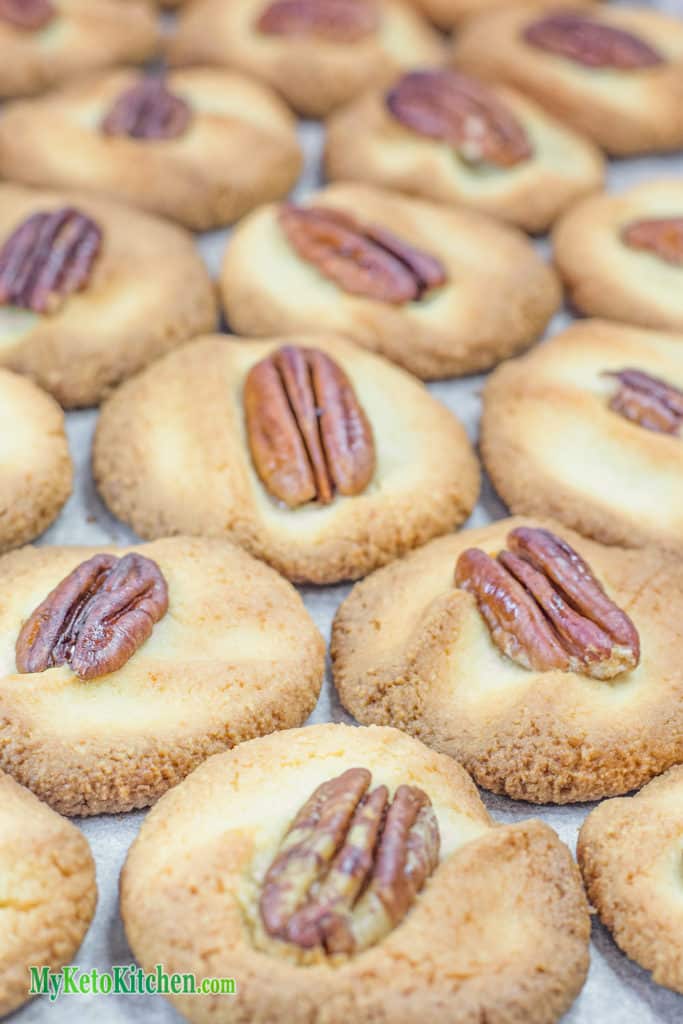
617	991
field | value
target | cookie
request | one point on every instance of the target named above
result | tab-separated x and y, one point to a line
448	14
180	649
47	891
537	701
182	146
317	54
621	256
569	432
451	138
613	73
379	468
46	42
630	852
142	289
490	924
440	291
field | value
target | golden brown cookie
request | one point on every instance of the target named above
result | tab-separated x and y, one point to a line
180	649
47	890
143	290
564	435
448	14
183	146
490	682
631	855
476	292
497	931
402	469
317	54
614	73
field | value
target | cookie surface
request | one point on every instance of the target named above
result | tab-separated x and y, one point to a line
510	894
553	444
449	13
425	481
236	655
496	299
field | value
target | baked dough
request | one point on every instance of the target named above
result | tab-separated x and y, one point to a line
447	14
236	655
426	479
497	299
239	150
500	932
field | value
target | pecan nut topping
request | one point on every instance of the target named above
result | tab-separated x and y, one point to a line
336	21
365	260
307	432
662	236
648	401
454	108
48	257
545	609
96	618
351	865
149	110
591	43
27	14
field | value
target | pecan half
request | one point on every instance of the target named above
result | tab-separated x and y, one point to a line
591	43
27	14
336	21
452	107
148	111
351	865
662	236
96	618
544	608
363	259
648	401
48	257
307	432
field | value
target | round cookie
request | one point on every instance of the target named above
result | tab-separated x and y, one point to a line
532	168
556	442
621	256
235	655
99	136
613	73
147	290
499	931
424	481
80	36
493	298
411	649
631	855
317	54
47	891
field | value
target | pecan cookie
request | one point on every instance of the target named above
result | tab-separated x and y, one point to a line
588	429
314	455
449	13
631	855
182	146
427	912
317	54
545	663
449	137
614	73
441	291
47	890
92	291
123	669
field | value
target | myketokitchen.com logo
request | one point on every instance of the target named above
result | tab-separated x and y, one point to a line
123	980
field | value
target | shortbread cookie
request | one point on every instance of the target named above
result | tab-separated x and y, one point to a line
450	137
440	291
631	855
621	256
123	669
47	891
570	431
574	693
109	290
316	456
432	914
46	42
614	73
200	146
318	54
449	13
